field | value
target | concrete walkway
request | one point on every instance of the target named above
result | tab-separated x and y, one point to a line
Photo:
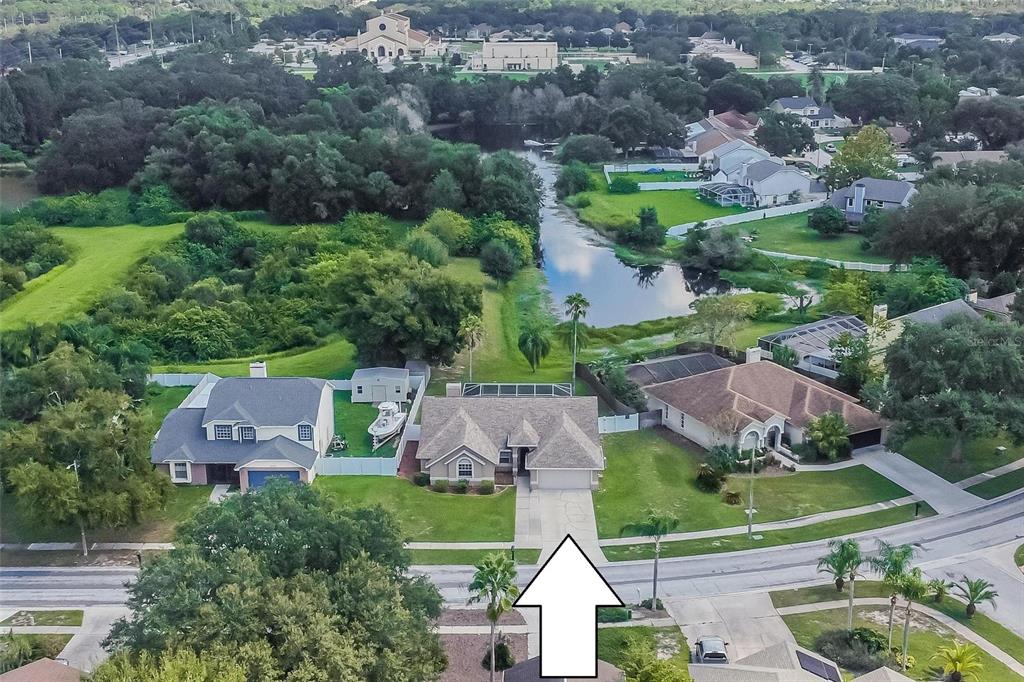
528	516
962	631
984	476
85	650
219	492
767	526
943	496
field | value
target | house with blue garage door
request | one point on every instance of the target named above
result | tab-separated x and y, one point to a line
246	430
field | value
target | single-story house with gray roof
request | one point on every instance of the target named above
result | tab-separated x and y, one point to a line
246	430
867	193
552	440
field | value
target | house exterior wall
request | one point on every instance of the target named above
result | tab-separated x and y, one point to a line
516	56
776	188
692	428
449	471
323	429
395	389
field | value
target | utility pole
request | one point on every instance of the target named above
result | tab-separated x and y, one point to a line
750	498
117	44
29	51
192	22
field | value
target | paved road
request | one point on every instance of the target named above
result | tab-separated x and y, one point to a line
68	587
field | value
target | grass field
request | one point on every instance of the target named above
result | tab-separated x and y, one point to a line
351	420
664	176
611	643
101	257
614	211
426	515
926	637
159	401
932	452
336	359
64	618
664	472
790	234
1000	485
468	557
994	632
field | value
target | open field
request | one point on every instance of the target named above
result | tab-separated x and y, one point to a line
932	452
926	637
426	515
101	257
333	360
790	234
614	211
665	472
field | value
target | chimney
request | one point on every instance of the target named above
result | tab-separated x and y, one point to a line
972	296
711	113
879	313
258	370
858	197
753	354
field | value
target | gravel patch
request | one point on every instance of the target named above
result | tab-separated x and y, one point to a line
466	652
477	617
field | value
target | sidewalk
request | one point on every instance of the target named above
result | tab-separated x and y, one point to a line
943	496
986	475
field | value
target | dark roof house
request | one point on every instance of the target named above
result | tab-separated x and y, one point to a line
867	193
529	671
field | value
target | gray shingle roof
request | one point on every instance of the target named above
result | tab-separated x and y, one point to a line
759	170
566	429
382	372
938	313
183	438
269	401
875	189
796	102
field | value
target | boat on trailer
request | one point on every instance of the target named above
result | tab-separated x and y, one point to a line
387	425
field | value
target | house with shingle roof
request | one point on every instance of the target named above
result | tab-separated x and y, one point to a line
246	430
554	441
810	112
867	193
756	404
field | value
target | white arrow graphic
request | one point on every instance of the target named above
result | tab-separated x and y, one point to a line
568	589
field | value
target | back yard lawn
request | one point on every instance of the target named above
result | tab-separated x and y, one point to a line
426	515
932	452
613	211
351	420
790	234
159	401
336	359
664	176
646	470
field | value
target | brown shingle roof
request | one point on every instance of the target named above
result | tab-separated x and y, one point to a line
43	669
757	391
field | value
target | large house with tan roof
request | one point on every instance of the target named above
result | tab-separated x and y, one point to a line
554	441
388	36
758	404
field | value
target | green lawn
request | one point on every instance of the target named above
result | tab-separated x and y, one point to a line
66	618
611	643
351	420
613	211
159	525
468	557
101	257
664	176
336	359
426	515
159	401
1000	485
926	637
645	469
932	452
993	631
790	234
734	543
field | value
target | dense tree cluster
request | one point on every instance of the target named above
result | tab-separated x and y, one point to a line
27	250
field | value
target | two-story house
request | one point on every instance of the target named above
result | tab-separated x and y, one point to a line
857	199
810	112
246	430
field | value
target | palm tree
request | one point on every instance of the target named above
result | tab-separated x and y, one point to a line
939	589
913	588
961	662
893	562
657	525
976	591
576	307
472	332
843	562
534	344
494	583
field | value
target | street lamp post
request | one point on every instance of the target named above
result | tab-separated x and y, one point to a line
750	497
81	526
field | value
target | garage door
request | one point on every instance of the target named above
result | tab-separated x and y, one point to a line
564	480
866	438
379	393
258	478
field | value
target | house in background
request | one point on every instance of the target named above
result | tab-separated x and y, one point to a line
918	41
855	201
245	430
727	161
957	159
755	405
553	440
1004	38
774	182
810	112
388	36
379	384
811	341
997	306
705	136
43	670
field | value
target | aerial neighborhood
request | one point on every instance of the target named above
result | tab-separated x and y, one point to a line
492	341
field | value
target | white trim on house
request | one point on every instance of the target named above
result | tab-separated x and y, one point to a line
458	468
188	472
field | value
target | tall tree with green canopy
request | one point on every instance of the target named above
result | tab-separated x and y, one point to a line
656	525
576	307
715	318
534	343
494	584
290	587
784	134
472	332
868	154
843	561
962	379
893	562
171	666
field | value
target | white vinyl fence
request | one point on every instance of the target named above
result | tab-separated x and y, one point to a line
357	466
651	186
750	216
618	423
847	264
175	379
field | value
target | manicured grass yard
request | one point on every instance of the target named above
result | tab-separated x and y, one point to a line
790	234
611	643
993	631
645	469
68	618
184	500
664	176
159	401
336	359
351	420
1000	485
932	452
101	257
468	557
613	211
426	515
926	637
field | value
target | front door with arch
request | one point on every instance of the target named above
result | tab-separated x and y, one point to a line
774	438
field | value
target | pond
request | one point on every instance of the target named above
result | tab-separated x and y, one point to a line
16	191
576	258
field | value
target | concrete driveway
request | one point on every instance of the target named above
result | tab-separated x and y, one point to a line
545	517
748	622
943	496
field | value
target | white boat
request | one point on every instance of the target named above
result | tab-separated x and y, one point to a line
387	424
